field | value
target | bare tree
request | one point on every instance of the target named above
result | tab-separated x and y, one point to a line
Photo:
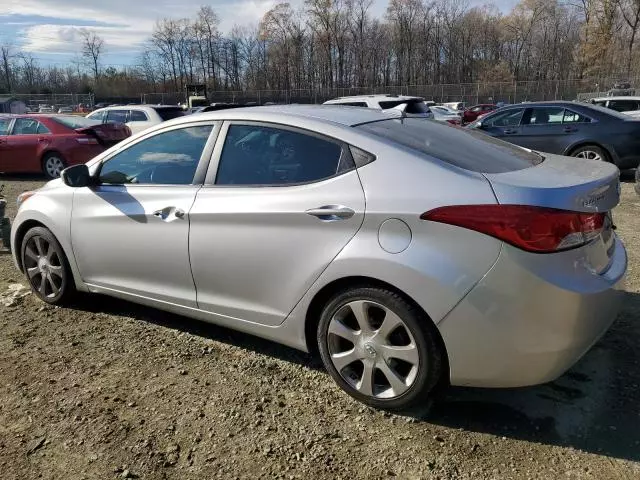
6	54
92	50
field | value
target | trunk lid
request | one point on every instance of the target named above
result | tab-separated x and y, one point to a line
565	183
108	134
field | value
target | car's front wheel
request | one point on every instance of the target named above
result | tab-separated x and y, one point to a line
46	266
379	348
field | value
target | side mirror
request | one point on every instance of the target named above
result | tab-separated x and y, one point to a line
76	176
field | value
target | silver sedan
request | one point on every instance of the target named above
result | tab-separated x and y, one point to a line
409	254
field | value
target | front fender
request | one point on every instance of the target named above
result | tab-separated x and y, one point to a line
52	208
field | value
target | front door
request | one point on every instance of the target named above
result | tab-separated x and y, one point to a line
504	125
130	232
283	204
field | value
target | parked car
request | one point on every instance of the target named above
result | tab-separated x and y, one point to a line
137	118
455	105
49	143
444	114
627	105
411	106
409	253
65	110
45	109
472	113
568	128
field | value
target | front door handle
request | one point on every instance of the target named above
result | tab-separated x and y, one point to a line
169	212
329	213
510	131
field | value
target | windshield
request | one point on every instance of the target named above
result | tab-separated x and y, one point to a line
464	148
413	106
73	121
167	113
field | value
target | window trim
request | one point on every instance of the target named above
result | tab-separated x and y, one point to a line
201	169
214	164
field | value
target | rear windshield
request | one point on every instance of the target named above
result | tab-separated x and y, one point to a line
464	148
74	121
413	106
167	113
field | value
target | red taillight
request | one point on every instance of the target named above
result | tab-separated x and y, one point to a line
535	229
87	140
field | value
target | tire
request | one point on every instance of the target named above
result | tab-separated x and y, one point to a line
375	347
46	267
591	152
52	164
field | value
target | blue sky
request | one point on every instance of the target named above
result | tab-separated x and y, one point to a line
50	29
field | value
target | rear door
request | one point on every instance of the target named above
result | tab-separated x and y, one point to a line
27	139
542	129
279	205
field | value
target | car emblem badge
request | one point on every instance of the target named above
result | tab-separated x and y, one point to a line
370	350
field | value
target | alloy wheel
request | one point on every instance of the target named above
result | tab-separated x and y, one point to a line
589	155
373	349
44	267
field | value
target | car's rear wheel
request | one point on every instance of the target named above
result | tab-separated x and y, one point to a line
379	348
46	266
591	152
52	165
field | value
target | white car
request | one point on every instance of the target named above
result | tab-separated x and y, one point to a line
445	114
137	117
457	106
627	105
410	106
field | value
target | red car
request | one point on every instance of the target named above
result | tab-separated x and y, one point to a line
472	113
50	143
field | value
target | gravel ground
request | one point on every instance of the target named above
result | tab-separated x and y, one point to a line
109	389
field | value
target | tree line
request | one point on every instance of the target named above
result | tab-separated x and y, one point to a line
328	44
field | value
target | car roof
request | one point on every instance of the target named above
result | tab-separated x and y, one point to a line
375	97
336	114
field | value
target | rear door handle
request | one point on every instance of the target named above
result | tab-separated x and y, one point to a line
168	212
570	129
329	213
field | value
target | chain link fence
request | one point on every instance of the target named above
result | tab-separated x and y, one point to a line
469	93
52	102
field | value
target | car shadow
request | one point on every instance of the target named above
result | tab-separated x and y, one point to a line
628	176
22	177
594	407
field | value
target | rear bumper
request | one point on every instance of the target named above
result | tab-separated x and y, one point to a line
519	327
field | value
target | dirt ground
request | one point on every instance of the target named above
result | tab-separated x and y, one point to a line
109	389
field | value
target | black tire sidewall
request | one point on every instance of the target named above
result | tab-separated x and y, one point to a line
67	283
421	329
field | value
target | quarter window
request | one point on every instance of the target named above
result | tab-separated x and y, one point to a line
138	116
573	117
168	158
257	155
117	116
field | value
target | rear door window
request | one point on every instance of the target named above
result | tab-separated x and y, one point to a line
464	148
4	126
28	126
544	116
